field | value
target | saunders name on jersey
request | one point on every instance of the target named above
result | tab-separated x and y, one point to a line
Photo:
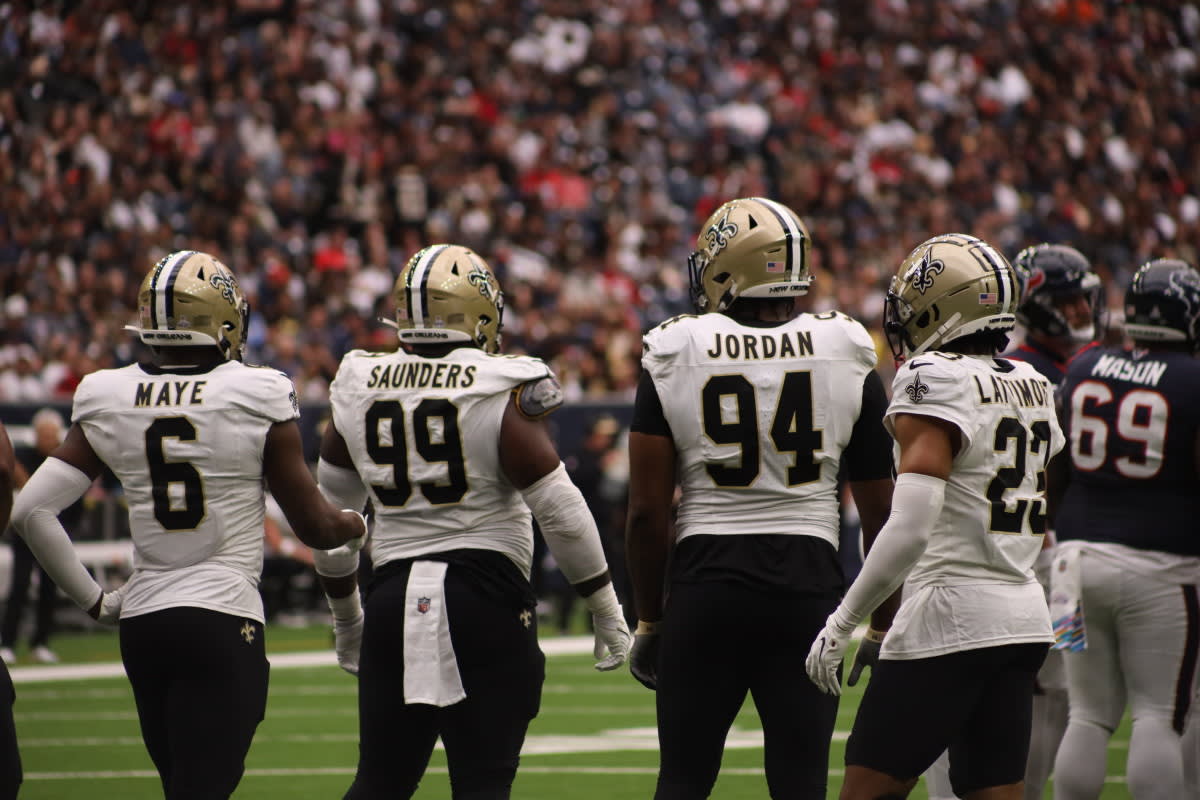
420	376
757	346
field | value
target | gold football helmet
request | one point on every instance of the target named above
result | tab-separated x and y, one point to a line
447	293
950	286
190	298
749	247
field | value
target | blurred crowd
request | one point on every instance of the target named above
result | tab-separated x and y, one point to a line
577	144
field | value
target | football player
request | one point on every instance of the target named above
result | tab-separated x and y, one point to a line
1060	309
10	755
448	440
973	436
755	408
191	437
1128	560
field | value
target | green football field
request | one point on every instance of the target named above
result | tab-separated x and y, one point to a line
595	736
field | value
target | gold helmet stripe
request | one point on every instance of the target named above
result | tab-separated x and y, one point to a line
162	285
793	236
417	286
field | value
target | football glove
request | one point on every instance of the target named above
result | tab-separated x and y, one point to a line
347	629
110	606
643	658
867	654
824	662
612	638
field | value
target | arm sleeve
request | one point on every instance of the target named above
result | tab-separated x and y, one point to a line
868	455
343	489
54	486
567	525
648	416
916	505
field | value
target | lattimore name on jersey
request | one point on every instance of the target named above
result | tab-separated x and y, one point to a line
1023	392
421	376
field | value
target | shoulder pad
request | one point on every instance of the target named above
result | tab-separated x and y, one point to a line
668	337
539	397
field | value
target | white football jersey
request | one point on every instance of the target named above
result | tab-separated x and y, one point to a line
424	437
188	450
974	586
760	417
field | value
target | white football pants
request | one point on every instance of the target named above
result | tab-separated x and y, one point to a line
1137	626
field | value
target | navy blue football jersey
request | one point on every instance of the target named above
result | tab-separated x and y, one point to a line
1131	419
1040	359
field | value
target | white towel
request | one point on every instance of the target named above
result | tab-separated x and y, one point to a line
1066	606
430	667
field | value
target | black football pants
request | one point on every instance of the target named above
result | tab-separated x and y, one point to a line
199	679
501	667
718	642
10	756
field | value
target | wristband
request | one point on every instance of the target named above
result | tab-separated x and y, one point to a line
645	628
873	635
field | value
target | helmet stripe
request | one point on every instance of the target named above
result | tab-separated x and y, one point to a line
793	236
417	286
162	288
1003	276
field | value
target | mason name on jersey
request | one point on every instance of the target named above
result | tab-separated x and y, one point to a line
1111	365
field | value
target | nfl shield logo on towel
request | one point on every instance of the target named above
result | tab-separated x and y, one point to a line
423	604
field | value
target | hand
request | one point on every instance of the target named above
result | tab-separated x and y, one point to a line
107	609
643	658
347	641
612	637
867	654
824	660
358	542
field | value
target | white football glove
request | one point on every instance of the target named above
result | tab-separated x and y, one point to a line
613	638
824	660
347	641
608	622
347	629
110	606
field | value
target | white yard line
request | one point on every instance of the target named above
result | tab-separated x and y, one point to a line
558	646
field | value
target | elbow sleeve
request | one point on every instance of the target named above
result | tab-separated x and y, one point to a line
341	487
567	525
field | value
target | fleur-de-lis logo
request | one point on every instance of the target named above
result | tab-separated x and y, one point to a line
916	390
481	280
925	270
224	284
719	234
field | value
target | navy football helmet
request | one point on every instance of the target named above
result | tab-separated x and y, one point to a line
1050	273
1162	303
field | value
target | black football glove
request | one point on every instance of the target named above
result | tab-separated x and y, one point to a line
867	654
643	658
